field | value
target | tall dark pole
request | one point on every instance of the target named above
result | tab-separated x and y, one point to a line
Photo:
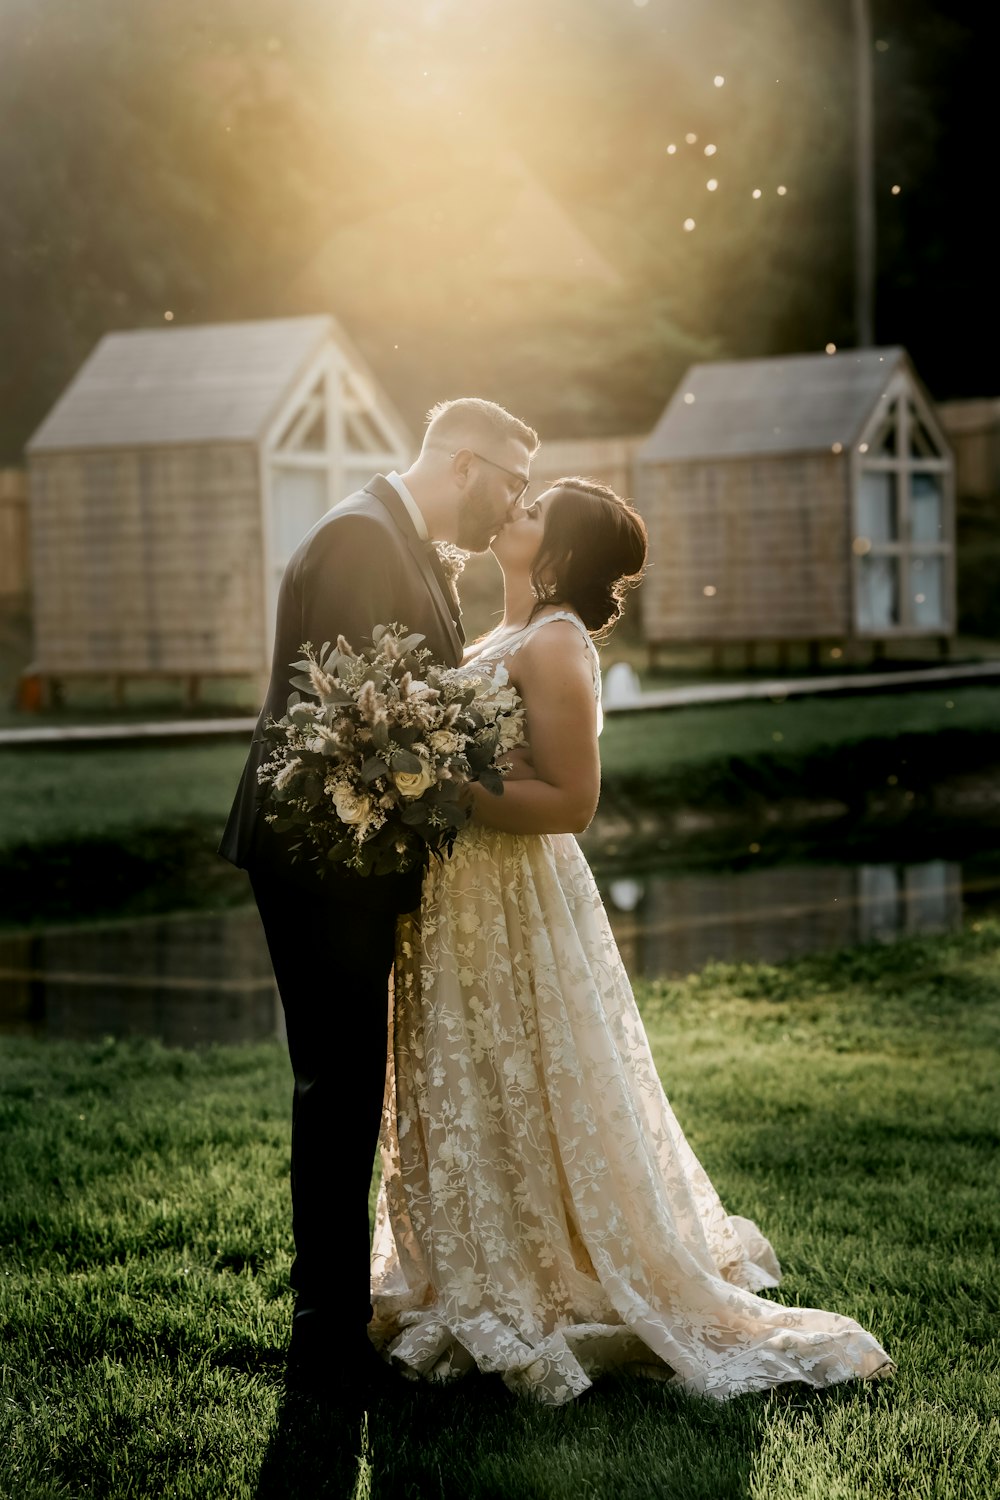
864	181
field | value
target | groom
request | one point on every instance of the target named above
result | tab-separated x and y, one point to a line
371	560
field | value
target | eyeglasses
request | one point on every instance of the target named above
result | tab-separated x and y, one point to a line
523	480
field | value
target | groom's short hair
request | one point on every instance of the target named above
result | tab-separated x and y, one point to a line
470	416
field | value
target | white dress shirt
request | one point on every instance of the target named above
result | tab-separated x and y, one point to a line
412	508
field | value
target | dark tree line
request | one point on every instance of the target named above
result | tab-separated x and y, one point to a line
250	158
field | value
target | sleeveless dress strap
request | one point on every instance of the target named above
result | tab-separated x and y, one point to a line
529	630
511	649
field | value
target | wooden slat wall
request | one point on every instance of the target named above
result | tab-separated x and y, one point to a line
148	561
609	460
770	536
973	429
15	578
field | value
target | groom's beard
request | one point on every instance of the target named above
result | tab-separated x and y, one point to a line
480	518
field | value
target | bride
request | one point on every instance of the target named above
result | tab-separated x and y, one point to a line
541	1215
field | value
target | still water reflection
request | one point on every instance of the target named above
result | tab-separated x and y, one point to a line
188	980
675	923
194	979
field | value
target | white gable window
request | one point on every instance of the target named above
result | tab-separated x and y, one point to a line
334	432
903	560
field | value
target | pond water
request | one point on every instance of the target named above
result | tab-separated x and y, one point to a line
193	979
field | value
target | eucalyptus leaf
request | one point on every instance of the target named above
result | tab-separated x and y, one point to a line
402	760
413	813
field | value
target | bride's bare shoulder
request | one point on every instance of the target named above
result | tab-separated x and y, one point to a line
560	645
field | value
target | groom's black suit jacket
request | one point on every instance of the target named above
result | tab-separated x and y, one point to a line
360	566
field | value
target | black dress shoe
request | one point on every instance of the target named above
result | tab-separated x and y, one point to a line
324	1361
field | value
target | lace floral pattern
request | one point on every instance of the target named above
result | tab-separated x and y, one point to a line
541	1214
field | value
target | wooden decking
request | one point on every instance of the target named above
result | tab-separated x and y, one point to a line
705	693
695	695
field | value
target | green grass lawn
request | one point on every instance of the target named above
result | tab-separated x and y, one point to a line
786	731
850	1104
54	795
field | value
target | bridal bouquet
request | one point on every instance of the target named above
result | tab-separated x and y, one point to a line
369	769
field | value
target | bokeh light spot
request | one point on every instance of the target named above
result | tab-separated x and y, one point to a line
709	591
830	348
712	184
689	224
755	193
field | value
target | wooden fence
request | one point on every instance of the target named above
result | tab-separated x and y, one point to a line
609	460
973	429
15	574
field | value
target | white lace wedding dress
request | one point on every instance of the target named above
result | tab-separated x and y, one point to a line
541	1214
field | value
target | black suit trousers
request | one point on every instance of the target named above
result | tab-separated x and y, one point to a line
332	959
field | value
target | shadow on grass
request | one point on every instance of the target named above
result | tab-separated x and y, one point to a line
629	1438
316	1448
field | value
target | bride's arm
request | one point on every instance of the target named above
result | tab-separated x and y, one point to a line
554	677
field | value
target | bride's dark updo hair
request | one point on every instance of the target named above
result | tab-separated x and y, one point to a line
593	551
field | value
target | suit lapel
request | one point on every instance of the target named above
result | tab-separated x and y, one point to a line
425	558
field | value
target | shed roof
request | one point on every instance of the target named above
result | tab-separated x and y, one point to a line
220	382
796	404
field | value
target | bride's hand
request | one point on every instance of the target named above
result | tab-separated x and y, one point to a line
517	765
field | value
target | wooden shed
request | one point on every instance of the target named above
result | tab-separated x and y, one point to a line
808	498
173	479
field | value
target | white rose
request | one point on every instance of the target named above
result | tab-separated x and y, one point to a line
350	807
444	741
413	783
511	732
